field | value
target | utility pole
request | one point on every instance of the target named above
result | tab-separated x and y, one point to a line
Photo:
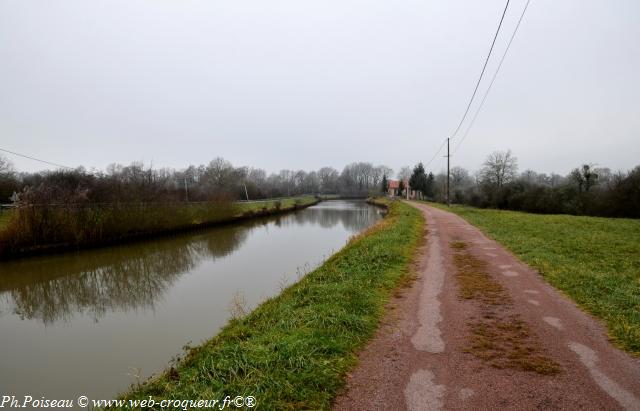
448	173
407	189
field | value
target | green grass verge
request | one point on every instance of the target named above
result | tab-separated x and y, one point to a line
594	260
270	205
293	351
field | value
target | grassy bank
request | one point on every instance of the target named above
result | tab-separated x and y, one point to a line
273	205
595	261
294	350
47	228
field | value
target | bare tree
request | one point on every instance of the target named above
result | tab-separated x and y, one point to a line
311	183
405	173
529	176
605	176
328	177
460	178
287	182
379	172
8	183
584	177
220	173
555	180
298	179
6	167
364	175
499	168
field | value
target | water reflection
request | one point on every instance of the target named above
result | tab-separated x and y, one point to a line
122	278
326	216
69	320
136	276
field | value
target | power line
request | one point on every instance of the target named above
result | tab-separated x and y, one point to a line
435	155
484	67
493	79
475	90
36	159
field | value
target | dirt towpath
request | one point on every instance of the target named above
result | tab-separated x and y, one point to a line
480	330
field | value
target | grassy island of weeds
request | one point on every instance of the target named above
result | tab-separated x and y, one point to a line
293	351
593	260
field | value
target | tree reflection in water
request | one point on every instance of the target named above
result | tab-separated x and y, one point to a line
136	275
352	218
121	278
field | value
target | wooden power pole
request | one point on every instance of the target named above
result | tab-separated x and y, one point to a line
448	173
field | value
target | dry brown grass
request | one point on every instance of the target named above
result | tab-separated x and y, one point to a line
458	245
498	337
405	284
507	342
474	280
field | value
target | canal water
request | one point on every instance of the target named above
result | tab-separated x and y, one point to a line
93	322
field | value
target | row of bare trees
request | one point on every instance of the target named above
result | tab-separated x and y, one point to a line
356	179
72	208
586	190
219	179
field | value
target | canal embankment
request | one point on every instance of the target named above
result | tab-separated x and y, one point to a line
119	314
294	350
39	229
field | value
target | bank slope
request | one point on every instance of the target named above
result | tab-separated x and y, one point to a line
52	228
293	351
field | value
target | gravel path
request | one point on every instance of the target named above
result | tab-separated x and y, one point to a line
497	337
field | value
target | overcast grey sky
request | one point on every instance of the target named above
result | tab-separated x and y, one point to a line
304	84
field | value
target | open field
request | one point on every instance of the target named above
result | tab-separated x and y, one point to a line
294	350
593	260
